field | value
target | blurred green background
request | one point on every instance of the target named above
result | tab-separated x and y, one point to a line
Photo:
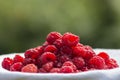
25	23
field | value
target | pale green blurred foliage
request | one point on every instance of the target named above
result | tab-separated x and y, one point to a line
25	23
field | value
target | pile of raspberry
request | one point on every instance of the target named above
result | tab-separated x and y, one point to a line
60	54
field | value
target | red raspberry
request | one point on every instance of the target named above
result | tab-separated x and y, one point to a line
66	50
85	52
57	64
111	63
69	63
16	66
46	57
97	62
53	36
66	69
58	43
84	69
79	62
104	55
48	66
31	68
18	58
55	70
70	39
40	49
50	48
29	61
64	58
6	63
41	70
32	53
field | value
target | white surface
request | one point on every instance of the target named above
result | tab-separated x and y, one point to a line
113	74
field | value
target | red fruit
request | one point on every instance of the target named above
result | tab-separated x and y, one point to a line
58	43
79	62
97	62
48	66
111	63
52	37
50	48
16	66
104	55
18	58
30	68
40	49
64	58
66	50
66	69
6	63
47	56
41	70
70	39
69	63
29	61
32	53
55	70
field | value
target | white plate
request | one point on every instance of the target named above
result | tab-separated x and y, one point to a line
113	74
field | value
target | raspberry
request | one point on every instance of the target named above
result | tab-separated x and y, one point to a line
85	52
48	66
31	53
29	61
97	62
6	63
66	50
111	63
70	39
69	63
104	55
40	49
66	69
50	48
18	58
31	68
41	70
64	58
16	66
53	36
58	43
79	62
47	56
55	70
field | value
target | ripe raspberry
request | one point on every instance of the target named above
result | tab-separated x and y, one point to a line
50	48
104	55
40	49
79	62
41	70
111	63
64	58
18	58
16	66
6	63
31	68
97	62
69	63
66	50
29	61
58	43
32	53
55	70
66	69
70	39
48	66
53	36
46	57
